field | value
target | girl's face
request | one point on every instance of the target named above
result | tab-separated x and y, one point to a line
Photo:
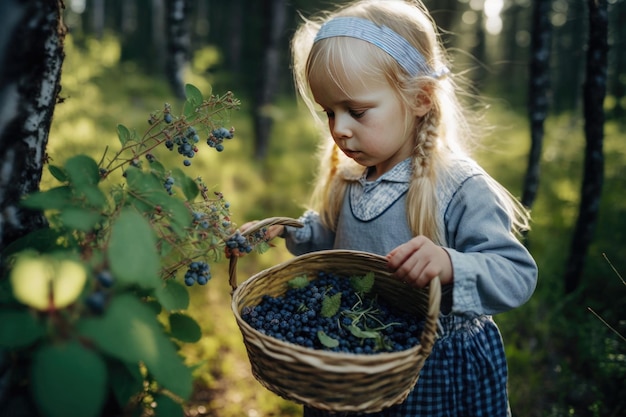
367	121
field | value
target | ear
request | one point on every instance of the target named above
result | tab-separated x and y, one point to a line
423	103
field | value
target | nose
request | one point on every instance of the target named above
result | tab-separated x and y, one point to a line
340	126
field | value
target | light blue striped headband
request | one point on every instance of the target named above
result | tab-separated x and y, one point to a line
383	37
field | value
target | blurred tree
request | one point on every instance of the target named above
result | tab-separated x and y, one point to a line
272	33
594	92
31	58
538	93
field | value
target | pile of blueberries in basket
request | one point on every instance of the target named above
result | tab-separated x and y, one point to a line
314	315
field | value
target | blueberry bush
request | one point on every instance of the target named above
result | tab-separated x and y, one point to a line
93	311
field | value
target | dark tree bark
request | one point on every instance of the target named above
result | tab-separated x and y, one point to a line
538	95
273	30
594	92
31	58
178	45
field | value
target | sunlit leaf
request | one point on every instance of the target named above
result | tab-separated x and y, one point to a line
130	331
68	380
132	252
36	280
19	329
172	295
184	328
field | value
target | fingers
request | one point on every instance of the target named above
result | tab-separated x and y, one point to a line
419	261
271	232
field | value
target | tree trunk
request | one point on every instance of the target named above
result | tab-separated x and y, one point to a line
275	24
31	58
178	45
594	91
538	93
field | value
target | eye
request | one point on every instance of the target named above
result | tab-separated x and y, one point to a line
357	114
329	114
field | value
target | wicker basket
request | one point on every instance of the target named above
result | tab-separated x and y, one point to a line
334	381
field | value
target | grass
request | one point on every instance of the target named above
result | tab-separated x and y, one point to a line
562	360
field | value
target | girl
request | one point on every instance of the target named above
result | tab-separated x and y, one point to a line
396	180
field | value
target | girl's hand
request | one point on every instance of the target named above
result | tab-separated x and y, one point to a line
418	261
271	233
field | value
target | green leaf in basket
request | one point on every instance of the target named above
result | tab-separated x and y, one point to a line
362	283
326	340
363	334
330	305
298	282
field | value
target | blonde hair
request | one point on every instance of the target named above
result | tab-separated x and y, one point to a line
442	134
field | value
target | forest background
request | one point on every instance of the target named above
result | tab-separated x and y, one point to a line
563	360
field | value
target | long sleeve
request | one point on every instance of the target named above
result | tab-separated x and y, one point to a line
313	236
493	271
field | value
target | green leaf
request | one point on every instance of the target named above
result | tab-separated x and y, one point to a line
58	173
167	407
189	111
19	329
184	328
41	240
298	282
326	340
123	134
68	381
330	305
187	184
126	381
363	334
129	331
132	251
172	295
193	94
84	176
82	170
157	168
79	219
52	199
363	284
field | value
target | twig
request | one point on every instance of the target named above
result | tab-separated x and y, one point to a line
607	324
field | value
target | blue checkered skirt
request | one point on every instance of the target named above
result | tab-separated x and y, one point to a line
464	376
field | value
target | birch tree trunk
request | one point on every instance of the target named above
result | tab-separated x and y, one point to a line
538	93
31	58
594	92
178	45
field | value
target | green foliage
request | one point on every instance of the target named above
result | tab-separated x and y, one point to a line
90	294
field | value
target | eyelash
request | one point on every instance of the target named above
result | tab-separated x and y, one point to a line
354	114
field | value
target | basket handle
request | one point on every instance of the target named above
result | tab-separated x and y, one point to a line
432	316
270	221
